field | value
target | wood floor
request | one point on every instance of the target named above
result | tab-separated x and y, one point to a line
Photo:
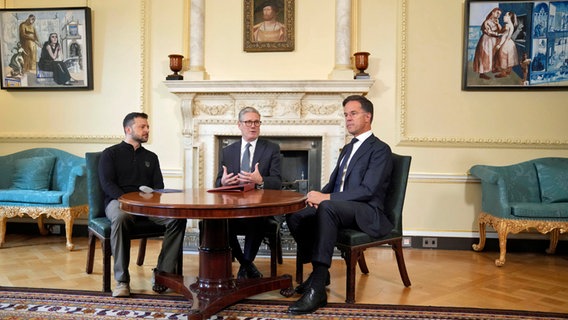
528	281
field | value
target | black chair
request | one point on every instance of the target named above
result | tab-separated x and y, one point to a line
99	224
353	243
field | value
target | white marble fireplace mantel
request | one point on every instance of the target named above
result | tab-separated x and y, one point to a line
289	108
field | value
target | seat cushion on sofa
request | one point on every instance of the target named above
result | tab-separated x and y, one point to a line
31	196
33	173
540	210
553	180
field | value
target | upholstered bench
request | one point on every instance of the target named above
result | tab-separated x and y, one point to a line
42	182
528	195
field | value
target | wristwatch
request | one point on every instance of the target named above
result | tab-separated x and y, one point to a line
260	186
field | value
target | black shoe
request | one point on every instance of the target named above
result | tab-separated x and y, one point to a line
252	271
242	274
158	288
310	301
248	272
304	286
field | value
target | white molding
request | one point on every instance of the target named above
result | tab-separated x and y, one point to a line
472	235
442	177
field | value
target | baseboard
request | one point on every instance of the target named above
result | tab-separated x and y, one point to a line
531	243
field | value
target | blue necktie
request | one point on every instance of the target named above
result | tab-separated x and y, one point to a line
245	163
342	168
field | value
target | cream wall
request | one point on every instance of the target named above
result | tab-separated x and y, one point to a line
415	61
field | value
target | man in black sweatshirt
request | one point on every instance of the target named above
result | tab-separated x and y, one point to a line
123	168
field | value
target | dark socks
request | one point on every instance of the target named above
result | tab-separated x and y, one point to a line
319	276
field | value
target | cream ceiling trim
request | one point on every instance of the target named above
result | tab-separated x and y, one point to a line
407	140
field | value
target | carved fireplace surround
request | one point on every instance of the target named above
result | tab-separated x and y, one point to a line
302	108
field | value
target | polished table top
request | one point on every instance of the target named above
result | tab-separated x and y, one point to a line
198	203
215	287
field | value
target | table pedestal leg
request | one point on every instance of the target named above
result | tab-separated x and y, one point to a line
215	287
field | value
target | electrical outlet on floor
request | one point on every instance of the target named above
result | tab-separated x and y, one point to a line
406	242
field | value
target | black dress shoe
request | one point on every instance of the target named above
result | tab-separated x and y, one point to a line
242	274
308	283
248	271
252	272
310	301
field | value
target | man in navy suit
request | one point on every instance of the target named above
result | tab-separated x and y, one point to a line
250	160
353	198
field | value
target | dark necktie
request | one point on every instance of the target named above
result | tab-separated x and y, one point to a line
245	163
342	167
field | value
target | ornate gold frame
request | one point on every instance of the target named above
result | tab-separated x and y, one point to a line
286	16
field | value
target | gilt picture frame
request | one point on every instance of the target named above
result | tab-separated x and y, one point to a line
515	45
46	49
268	25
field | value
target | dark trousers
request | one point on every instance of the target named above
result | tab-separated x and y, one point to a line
315	230
253	230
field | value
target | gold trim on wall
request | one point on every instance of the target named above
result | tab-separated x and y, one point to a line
407	140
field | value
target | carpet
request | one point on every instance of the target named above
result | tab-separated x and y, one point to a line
45	304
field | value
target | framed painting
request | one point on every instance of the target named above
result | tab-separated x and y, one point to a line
268	25
46	49
515	45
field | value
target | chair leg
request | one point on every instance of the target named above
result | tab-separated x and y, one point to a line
90	253
142	251
273	256
107	252
351	257
554	236
363	263
397	247
179	268
502	232
279	248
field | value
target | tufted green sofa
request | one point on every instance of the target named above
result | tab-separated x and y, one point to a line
43	182
528	195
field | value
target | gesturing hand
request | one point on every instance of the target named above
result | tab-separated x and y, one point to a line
228	178
251	177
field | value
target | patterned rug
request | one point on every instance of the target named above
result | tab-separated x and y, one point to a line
40	304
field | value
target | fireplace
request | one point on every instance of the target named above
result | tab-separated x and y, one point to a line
304	116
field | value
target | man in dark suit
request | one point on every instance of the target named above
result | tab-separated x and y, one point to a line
250	160
353	198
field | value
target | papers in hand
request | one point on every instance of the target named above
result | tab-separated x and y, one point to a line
234	188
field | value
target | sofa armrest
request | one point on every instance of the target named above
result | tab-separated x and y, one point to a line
76	193
485	173
494	193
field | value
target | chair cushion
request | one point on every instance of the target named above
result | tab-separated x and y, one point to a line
540	210
351	237
553	180
24	197
33	173
142	228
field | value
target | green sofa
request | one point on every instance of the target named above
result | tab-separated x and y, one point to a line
43	182
528	195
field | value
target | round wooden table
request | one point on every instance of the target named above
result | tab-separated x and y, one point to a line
215	287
